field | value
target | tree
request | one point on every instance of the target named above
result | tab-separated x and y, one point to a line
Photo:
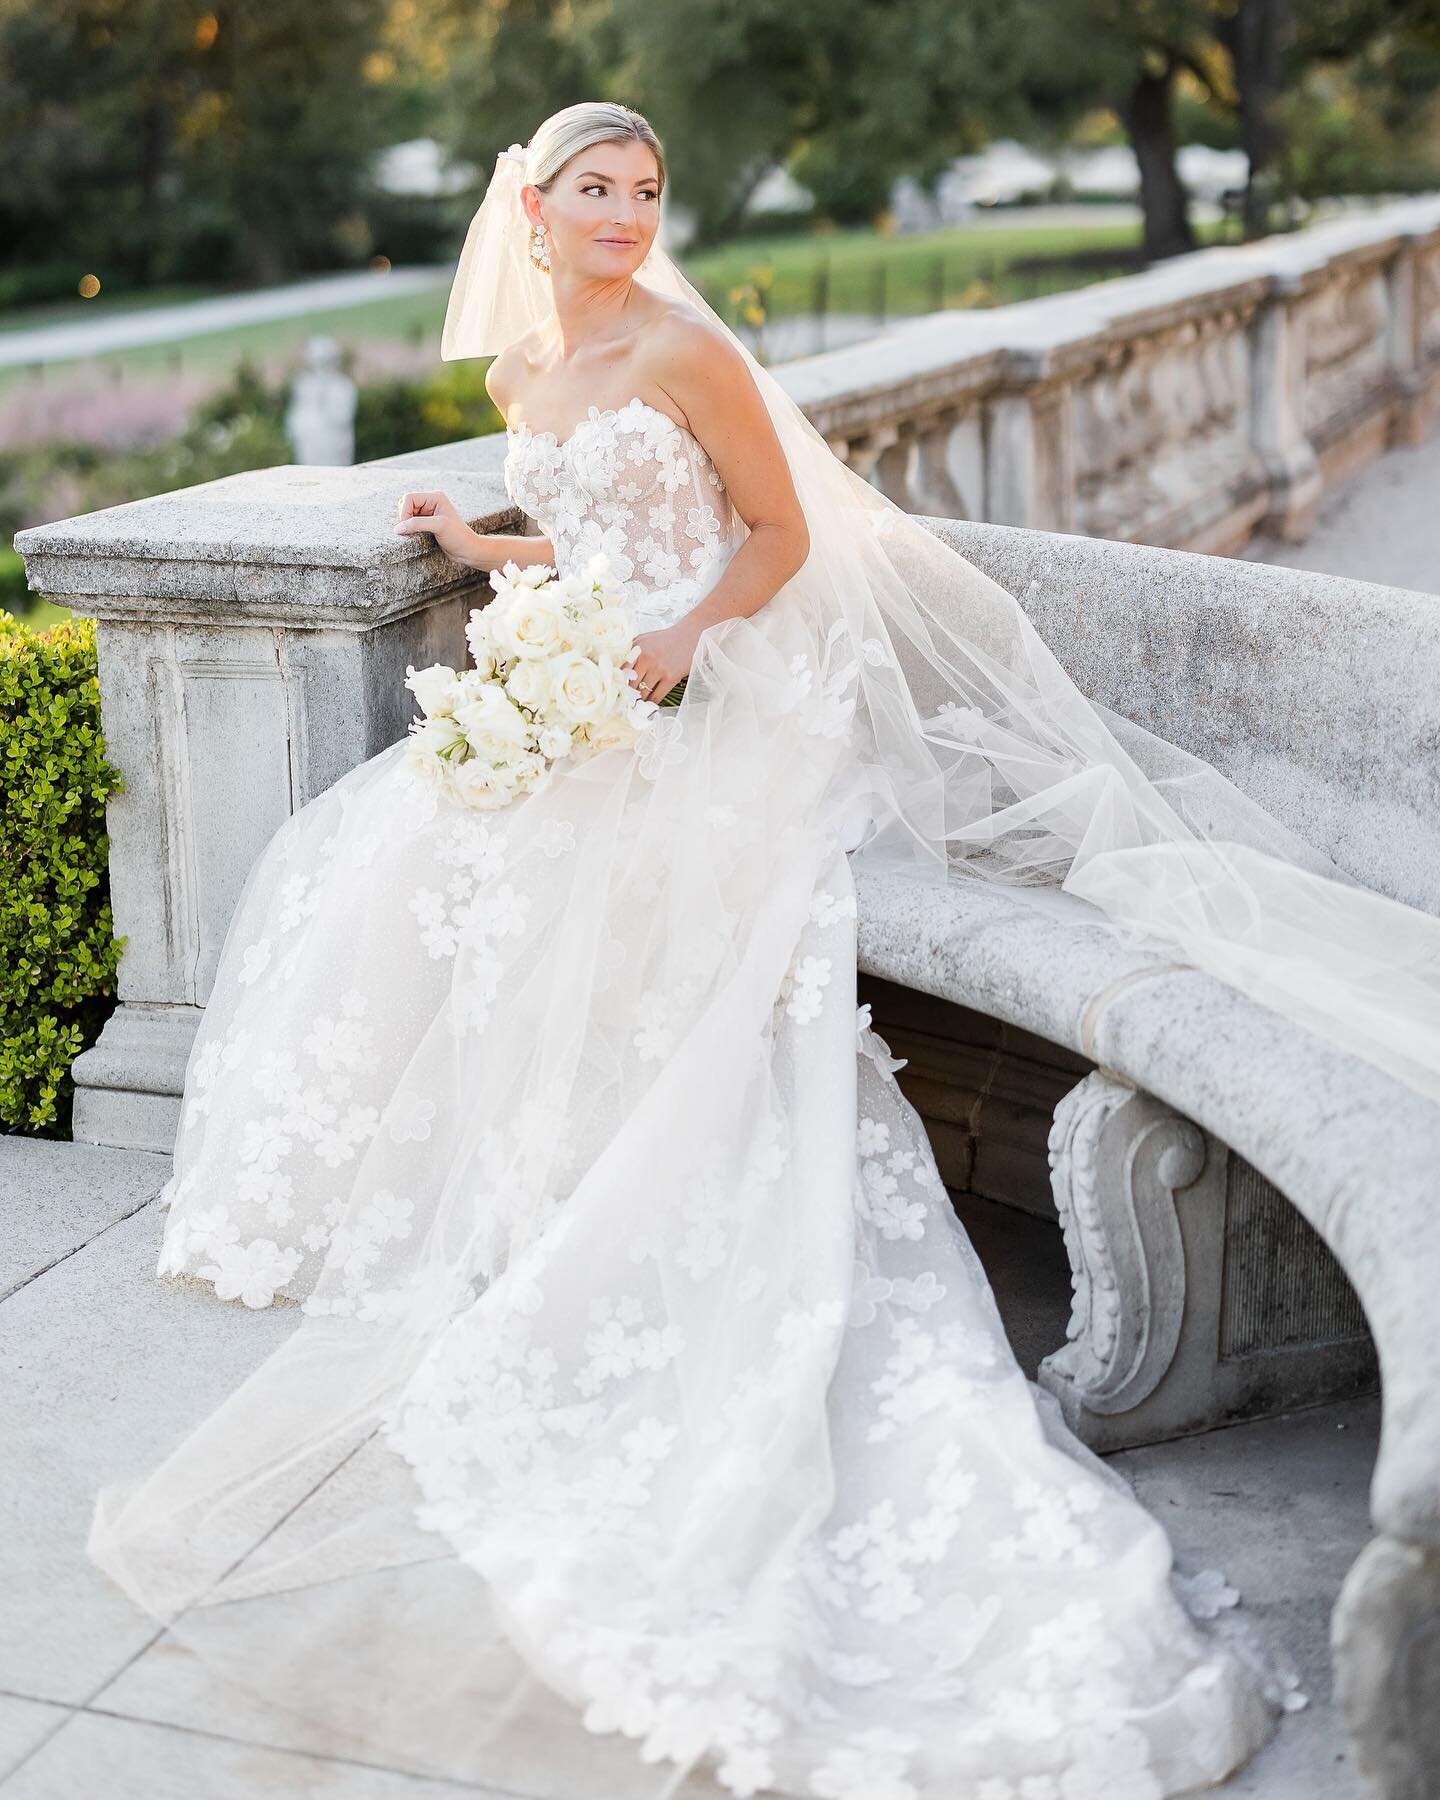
154	140
849	93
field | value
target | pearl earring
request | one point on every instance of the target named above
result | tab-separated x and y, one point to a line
539	250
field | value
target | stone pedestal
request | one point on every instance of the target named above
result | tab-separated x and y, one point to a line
253	638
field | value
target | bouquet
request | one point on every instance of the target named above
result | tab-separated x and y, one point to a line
549	682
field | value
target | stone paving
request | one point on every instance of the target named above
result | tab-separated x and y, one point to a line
104	1367
1381	525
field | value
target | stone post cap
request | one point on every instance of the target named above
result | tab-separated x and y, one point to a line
302	546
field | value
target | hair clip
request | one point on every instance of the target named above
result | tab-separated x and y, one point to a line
516	152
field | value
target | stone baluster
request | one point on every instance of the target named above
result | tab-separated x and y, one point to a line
944	474
1405	286
1030	456
1277	386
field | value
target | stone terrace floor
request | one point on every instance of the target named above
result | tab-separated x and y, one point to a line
1382	524
104	1367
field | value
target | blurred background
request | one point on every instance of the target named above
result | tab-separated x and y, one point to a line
189	197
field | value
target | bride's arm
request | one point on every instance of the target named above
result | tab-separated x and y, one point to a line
437	516
708	381
711	385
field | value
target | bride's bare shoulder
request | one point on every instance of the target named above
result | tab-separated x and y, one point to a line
685	347
506	374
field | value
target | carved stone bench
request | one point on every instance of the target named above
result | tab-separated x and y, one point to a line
1240	1199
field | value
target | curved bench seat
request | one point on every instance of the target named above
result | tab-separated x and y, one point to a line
1319	698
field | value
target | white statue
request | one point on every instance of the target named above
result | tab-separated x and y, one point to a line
320	421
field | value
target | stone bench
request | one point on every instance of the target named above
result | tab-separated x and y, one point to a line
1233	1189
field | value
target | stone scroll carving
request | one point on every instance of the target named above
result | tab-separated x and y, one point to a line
1117	1159
1200	1295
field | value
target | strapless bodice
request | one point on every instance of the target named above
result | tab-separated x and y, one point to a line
631	482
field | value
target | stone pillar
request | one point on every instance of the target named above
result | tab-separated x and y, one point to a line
253	636
1030	454
1277	423
1412	283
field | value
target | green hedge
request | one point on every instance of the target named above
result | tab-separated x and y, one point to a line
58	951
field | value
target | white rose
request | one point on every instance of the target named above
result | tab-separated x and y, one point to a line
492	719
583	691
474	783
554	741
609	733
530	625
611	629
436	688
477	636
438	735
528	683
534	575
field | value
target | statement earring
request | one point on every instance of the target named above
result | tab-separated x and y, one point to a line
539	250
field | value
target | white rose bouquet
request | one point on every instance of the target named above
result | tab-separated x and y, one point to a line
549	681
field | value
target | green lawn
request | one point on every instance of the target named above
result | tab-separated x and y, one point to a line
416	316
67	312
958	266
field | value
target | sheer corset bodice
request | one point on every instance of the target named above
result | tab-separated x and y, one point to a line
631	482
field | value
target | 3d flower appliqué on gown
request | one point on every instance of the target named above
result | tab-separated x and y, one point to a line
648	1409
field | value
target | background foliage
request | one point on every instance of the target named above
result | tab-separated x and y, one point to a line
58	952
167	142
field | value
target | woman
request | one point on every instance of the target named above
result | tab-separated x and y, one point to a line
650	1409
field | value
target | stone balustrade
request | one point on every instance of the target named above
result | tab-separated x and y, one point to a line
1210	398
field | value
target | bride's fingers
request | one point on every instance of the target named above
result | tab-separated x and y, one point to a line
420	505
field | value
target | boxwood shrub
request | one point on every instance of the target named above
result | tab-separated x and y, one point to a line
58	952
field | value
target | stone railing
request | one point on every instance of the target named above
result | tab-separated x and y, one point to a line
1213	397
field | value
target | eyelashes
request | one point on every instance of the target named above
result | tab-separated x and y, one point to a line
595	187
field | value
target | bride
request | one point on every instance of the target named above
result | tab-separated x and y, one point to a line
648	1411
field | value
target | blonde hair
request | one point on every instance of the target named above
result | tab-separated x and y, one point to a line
575	128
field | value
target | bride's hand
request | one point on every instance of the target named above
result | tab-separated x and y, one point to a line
661	658
435	514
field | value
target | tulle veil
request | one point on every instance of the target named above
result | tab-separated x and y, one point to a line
280	1540
986	761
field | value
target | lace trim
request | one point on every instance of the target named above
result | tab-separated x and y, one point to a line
598	416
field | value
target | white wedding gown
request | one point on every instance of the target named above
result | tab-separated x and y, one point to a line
649	1394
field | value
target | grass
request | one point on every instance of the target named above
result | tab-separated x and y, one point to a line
958	265
69	312
215	352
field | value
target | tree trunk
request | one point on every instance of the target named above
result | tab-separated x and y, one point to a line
1258	38
1151	128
